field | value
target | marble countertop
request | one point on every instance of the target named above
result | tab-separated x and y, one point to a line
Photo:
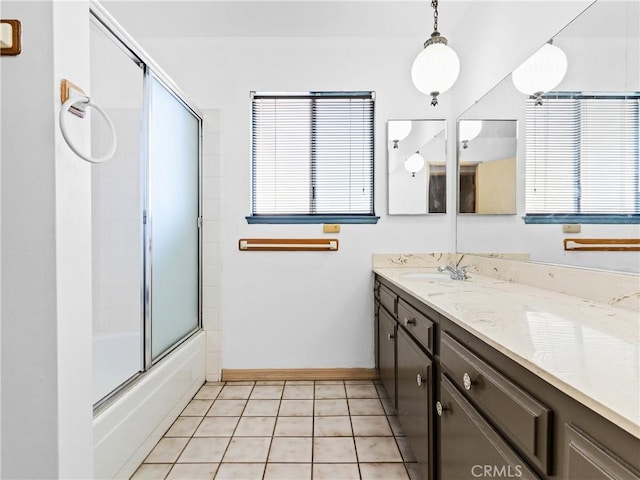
587	349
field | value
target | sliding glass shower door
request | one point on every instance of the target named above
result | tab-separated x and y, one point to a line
116	213
173	218
145	215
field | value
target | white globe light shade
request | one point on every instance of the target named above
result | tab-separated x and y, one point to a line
543	71
469	129
435	69
399	129
414	163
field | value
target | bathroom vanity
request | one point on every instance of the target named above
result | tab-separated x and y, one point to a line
499	379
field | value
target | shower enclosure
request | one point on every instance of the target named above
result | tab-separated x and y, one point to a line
145	213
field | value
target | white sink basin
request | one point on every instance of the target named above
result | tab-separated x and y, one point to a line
441	277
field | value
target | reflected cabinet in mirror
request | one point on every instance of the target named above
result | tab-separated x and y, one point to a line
487	151
417	166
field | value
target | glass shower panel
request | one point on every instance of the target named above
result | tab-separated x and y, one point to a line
174	155
116	193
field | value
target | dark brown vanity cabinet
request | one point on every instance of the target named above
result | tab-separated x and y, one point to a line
586	458
470	411
514	411
387	328
415	400
532	426
406	342
469	446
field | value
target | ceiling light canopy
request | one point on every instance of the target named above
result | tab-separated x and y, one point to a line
543	71
436	68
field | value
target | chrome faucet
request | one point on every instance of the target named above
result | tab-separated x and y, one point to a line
456	273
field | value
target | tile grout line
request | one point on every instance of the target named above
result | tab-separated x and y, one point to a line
273	431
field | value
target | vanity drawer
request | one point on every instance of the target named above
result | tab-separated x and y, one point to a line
387	299
522	418
417	324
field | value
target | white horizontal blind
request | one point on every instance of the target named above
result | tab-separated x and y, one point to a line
312	154
582	155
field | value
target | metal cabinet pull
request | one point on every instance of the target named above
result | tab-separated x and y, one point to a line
466	381
390	336
409	321
440	408
419	380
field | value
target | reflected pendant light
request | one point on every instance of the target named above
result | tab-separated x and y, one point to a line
414	163
469	129
399	130
543	71
436	68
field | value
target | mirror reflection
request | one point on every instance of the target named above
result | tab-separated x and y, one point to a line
487	151
601	46
417	166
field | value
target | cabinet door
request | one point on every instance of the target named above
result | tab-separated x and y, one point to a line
586	459
513	410
470	447
387	352
415	394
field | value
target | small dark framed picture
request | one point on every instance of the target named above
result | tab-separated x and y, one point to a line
10	37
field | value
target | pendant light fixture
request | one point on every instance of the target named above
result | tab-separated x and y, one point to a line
414	163
468	130
399	130
436	68
543	71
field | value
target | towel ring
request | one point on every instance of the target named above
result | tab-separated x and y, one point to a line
63	128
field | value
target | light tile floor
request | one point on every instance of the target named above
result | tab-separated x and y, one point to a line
298	430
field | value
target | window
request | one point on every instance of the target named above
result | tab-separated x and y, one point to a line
312	157
582	159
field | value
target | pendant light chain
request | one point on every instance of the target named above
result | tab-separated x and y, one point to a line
434	5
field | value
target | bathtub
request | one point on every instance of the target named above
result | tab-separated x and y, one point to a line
125	431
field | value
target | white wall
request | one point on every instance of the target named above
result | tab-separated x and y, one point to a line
46	251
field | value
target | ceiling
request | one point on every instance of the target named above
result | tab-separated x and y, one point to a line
338	18
285	18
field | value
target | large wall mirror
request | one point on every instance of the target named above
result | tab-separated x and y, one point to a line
602	46
417	166
487	151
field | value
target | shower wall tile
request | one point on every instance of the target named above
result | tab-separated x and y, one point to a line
211	262
213	341
211	209
210	297
212	366
211	230
211	121
211	143
210	183
211	277
211	254
211	168
211	319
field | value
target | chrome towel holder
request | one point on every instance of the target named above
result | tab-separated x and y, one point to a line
86	101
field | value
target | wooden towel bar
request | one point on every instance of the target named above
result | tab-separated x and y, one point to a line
288	244
603	244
